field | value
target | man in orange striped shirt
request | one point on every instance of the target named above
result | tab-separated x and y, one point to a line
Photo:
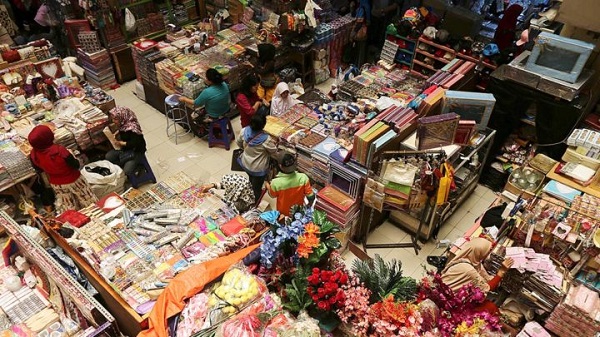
290	187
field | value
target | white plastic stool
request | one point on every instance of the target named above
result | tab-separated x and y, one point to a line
177	114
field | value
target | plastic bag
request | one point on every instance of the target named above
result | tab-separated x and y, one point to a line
242	326
309	11
304	326
193	315
103	185
236	291
129	20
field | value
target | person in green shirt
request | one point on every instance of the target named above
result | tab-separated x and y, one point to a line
215	98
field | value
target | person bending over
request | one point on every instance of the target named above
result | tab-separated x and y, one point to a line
131	139
238	191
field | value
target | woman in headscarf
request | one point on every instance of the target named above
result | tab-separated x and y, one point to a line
466	267
238	191
62	168
282	100
130	139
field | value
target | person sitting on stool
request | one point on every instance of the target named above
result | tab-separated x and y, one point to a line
130	138
215	98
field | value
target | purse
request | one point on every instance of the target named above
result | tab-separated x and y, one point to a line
446	183
235	164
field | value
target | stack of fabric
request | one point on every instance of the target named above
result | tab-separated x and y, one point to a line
340	208
14	162
320	156
304	150
578	315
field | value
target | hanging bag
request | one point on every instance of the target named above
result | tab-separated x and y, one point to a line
129	20
446	183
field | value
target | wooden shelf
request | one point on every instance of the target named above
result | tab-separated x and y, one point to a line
439	46
474	60
424	65
432	56
405	50
402	38
416	73
592	189
135	3
528	121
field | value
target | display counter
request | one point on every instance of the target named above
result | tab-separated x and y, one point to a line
133	245
60	291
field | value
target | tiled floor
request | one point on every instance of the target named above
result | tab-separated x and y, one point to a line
193	156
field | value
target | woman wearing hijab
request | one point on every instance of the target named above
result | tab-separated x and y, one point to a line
130	139
282	101
70	188
466	267
259	148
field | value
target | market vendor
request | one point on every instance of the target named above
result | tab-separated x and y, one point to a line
132	142
247	100
238	191
62	168
290	187
266	71
215	98
282	100
466	267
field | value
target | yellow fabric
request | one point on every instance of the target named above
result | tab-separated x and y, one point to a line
266	94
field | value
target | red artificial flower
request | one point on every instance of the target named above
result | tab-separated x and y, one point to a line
313	280
322	305
344	278
315	298
321	292
316	271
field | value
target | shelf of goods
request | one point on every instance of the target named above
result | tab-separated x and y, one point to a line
55	302
430	57
466	177
151	17
404	49
130	246
561	285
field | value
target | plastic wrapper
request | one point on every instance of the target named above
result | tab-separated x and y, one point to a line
237	290
303	326
242	326
430	314
193	315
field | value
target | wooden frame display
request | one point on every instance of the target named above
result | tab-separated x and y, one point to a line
472	106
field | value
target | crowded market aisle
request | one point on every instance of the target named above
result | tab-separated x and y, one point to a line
196	159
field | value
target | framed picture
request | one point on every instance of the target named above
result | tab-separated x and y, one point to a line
471	106
50	68
558	57
74	27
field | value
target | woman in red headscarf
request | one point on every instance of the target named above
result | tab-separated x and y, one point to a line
71	189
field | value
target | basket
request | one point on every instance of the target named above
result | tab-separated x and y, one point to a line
572	156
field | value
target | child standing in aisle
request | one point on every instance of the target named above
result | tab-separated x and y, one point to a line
290	187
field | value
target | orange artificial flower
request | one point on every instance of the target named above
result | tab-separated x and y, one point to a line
311	228
304	251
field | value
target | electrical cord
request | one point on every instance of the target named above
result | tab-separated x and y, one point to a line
573	128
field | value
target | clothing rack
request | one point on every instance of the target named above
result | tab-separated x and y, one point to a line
413	243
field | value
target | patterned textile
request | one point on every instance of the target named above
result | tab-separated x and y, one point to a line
127	119
238	192
75	196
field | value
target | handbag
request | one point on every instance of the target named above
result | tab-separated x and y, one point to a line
446	183
235	164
